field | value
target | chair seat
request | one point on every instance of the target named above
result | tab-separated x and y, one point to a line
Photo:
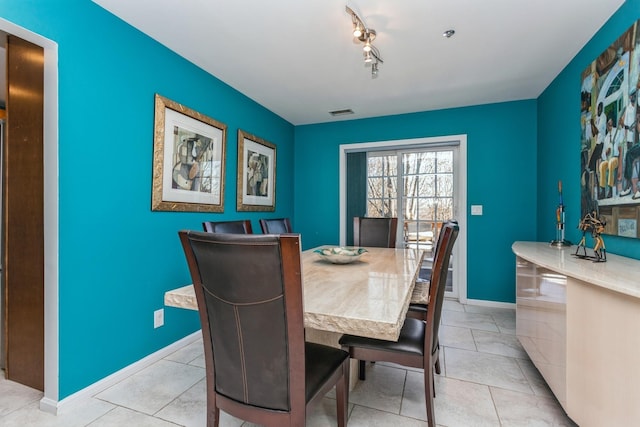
321	362
411	339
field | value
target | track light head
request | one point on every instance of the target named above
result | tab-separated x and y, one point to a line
367	46
366	35
357	31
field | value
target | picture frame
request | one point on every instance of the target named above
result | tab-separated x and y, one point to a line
189	151
610	136
256	174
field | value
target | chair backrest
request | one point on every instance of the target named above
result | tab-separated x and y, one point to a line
375	232
275	226
229	227
240	281
439	273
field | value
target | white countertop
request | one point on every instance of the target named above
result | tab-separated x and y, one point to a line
619	274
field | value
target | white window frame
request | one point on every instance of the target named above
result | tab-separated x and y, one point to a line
460	185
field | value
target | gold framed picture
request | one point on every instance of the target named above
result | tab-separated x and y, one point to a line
189	152
256	174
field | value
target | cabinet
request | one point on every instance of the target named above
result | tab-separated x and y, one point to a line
578	321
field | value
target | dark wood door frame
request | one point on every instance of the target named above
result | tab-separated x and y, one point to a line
23	213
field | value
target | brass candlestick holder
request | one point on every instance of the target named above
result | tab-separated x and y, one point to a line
560	241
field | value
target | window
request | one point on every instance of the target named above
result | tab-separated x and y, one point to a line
426	191
382	185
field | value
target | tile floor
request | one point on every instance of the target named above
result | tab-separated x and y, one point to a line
487	380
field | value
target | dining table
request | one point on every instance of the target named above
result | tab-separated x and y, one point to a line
368	297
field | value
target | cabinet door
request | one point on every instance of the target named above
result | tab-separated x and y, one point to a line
541	326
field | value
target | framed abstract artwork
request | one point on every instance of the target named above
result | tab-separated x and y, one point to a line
256	174
189	151
610	131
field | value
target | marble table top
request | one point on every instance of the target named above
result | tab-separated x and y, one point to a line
369	297
619	274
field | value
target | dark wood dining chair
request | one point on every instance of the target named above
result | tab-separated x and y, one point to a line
375	232
418	310
418	344
258	366
230	227
275	225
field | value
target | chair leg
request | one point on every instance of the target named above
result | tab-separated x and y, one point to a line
429	393
213	412
342	395
361	366
213	419
437	364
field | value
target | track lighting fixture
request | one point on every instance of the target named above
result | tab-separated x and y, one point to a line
366	35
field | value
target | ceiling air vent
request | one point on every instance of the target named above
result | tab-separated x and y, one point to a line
341	112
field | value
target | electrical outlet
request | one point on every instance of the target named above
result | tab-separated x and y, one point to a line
158	318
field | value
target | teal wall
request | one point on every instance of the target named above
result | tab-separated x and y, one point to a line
117	258
501	176
559	138
111	282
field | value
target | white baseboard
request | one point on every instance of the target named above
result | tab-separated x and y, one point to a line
54	407
494	304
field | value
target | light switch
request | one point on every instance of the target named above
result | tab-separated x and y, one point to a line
476	209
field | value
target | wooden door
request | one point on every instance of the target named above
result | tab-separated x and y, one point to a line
23	214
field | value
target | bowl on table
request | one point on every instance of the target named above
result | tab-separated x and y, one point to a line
340	254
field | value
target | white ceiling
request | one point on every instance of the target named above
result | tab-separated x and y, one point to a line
298	58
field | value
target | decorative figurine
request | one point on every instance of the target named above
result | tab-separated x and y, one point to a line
593	223
560	240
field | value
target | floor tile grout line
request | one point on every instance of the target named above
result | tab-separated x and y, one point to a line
495	406
108	412
404	388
